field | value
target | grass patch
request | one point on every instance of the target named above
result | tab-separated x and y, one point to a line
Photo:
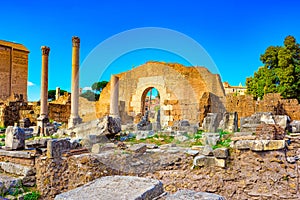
224	140
32	196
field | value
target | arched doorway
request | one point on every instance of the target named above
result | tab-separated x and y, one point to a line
151	104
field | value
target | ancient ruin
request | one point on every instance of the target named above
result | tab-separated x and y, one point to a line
13	71
160	130
185	93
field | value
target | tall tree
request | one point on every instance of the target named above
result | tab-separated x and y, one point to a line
98	86
280	73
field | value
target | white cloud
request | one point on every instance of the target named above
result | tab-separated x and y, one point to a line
30	84
87	88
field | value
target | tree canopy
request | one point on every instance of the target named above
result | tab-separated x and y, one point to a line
280	73
97	88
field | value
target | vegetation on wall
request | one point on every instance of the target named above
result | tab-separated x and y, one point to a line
280	73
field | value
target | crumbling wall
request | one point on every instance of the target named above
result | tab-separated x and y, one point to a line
11	112
180	88
54	176
245	106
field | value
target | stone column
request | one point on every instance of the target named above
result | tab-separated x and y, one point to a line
114	96
74	118
57	93
43	118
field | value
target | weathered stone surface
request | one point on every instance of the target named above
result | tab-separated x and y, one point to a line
16	169
27	173
193	195
177	103
181	138
269	132
211	122
210	138
116	187
259	145
192	152
242	144
282	120
239	134
249	137
208	161
100	147
8	182
207	150
37	143
267	145
14	138
143	134
138	148
295	126
56	147
16	154
221	153
229	122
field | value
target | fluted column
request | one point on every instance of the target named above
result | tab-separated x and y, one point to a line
114	96
43	118
74	118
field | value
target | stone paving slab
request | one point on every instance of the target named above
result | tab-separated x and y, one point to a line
116	188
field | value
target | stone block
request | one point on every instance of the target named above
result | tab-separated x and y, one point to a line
211	122
267	145
295	126
143	134
100	147
16	169
207	150
249	137
282	120
138	148
242	144
116	187
221	153
259	145
241	134
210	138
14	138
229	122
220	162
192	152
56	147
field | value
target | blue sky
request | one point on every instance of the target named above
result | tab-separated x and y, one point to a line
234	33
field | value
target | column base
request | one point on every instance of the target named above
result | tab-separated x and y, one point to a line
73	121
42	122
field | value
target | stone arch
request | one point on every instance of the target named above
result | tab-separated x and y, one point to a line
136	102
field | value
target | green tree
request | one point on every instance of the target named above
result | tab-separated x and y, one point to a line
90	95
98	86
52	93
280	73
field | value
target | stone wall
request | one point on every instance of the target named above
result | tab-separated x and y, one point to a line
13	70
180	88
58	175
248	175
11	112
245	105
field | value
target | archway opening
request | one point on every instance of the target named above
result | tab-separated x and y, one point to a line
151	104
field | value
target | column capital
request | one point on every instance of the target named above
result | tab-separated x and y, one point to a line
76	41
45	50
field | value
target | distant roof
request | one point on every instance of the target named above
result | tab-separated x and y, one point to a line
14	45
